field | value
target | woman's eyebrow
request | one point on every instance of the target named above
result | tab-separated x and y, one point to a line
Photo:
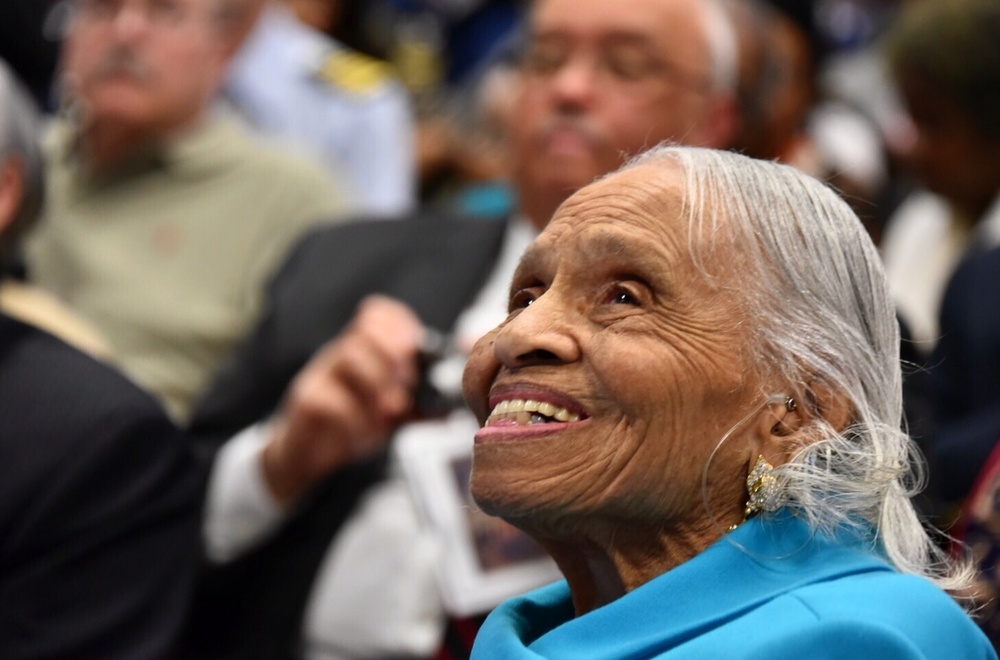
531	260
613	247
601	249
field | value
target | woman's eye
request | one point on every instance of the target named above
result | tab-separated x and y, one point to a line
520	299
624	297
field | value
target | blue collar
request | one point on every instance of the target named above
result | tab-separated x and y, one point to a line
763	558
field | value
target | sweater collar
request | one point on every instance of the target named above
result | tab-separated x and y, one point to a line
194	153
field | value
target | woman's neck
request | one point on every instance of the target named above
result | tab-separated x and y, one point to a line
603	567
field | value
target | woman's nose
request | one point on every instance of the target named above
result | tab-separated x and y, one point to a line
542	333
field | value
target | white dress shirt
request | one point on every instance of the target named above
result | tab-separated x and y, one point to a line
299	85
923	244
375	593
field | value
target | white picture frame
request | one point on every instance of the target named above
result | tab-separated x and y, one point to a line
482	560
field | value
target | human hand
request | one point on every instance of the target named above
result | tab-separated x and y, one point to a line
344	404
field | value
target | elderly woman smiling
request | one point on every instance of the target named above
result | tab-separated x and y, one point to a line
694	406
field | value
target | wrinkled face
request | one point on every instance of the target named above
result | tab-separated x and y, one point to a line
791	92
150	65
606	79
949	154
617	371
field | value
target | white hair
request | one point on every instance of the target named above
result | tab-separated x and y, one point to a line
723	46
20	129
820	323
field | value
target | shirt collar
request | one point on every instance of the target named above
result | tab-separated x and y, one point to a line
986	234
194	153
763	558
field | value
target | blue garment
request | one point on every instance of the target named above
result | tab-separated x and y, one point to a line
294	82
785	594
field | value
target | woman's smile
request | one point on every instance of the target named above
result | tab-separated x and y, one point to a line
528	411
521	413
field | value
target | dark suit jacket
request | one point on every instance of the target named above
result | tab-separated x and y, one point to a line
253	607
30	50
965	375
99	508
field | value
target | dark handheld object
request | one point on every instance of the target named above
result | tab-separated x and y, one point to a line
439	390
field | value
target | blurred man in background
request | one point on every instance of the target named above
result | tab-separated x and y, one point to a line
99	495
946	61
163	218
331	561
291	81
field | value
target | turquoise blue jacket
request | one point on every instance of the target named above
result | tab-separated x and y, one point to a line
770	590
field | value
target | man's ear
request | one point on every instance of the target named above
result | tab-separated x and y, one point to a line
11	192
724	120
241	18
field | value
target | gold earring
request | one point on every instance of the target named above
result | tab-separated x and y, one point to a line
763	488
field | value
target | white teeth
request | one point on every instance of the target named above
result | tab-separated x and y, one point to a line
522	411
547	409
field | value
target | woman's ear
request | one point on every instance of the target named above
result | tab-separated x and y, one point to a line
787	422
780	419
824	402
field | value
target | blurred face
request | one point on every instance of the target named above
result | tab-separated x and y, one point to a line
791	96
11	192
605	79
148	65
320	14
615	374
948	153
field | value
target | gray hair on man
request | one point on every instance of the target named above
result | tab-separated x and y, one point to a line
19	144
821	325
723	45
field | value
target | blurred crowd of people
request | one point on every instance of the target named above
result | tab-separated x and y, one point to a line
242	218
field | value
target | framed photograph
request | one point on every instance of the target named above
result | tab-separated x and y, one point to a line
483	560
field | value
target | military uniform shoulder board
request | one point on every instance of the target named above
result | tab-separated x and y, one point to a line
353	72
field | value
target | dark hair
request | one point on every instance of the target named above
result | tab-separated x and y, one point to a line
952	44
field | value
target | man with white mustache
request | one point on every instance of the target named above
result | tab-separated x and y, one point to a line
164	219
601	80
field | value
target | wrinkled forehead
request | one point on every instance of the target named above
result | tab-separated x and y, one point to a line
646	202
649	206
